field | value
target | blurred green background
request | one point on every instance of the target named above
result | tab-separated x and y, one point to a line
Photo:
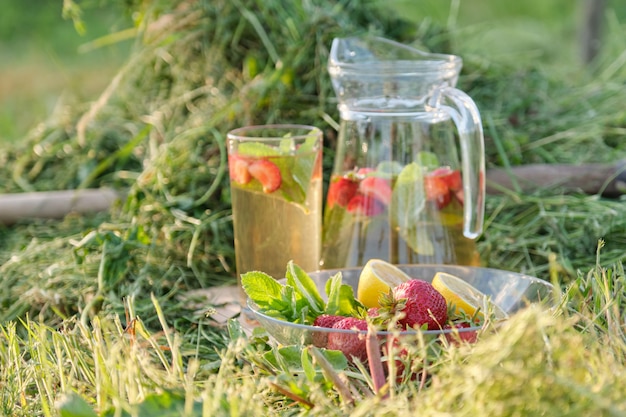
45	62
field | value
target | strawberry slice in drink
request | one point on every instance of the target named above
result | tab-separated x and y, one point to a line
377	188
267	173
362	205
437	191
373	196
238	169
341	191
452	177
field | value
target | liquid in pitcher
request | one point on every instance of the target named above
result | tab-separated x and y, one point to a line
369	216
400	199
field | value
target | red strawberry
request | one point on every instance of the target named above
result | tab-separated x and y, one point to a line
361	172
469	336
320	339
340	191
361	205
423	304
377	188
351	344
327	320
267	173
373	312
394	352
452	177
460	196
437	191
238	169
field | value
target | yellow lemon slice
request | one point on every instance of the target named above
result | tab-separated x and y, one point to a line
463	297
377	278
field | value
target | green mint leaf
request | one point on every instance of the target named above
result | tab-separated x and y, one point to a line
306	157
407	203
306	288
298	170
283	302
341	301
290	189
257	150
262	289
388	169
427	160
307	365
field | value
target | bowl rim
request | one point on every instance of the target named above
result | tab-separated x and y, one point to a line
312	328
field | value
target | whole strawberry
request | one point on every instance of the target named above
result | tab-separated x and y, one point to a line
351	344
420	304
320	339
461	335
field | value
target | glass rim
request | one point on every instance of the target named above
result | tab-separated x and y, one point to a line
303	131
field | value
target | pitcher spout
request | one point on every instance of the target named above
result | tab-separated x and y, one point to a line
373	67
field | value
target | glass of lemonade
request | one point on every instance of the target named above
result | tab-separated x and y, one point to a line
276	193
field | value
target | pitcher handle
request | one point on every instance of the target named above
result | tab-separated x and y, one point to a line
466	117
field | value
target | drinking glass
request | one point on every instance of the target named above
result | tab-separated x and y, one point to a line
276	194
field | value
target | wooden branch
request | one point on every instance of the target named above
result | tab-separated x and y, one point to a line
607	179
54	204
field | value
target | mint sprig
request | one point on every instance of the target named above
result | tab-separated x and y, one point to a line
299	300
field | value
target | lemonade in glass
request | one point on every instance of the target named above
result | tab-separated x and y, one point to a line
276	194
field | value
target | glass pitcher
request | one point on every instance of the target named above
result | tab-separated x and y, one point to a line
408	180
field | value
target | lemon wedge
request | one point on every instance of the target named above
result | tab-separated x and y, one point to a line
463	297
377	278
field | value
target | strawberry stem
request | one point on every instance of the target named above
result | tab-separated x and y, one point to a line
374	360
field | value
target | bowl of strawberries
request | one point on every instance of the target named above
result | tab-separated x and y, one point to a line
335	309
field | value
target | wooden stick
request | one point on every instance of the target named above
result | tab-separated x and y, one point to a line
607	179
54	204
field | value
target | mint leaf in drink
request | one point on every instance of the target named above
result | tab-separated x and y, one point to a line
427	160
298	167
407	203
388	169
290	189
257	150
304	166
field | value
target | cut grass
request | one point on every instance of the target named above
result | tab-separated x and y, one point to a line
540	362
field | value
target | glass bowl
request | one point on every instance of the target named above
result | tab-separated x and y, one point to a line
510	291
